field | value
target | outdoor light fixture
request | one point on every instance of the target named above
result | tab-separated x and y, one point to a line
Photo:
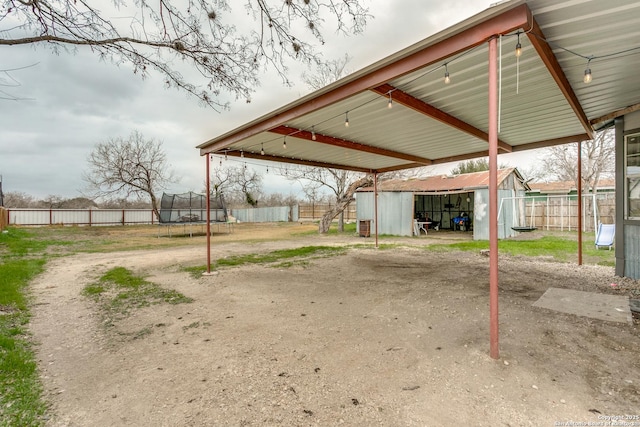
346	119
242	153
390	103
447	79
518	47
262	149
284	143
587	73
313	133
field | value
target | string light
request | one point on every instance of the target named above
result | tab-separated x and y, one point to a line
262	150
313	133
518	47
346	119
241	153
284	143
390	103
587	72
225	155
447	78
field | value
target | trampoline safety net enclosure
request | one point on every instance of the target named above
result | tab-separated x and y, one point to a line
190	207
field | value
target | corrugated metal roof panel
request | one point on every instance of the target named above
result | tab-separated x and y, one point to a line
539	103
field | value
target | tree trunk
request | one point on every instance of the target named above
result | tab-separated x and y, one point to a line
154	206
342	203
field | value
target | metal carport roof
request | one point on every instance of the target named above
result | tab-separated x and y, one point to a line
542	97
496	102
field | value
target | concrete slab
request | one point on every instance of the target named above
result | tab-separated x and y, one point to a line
613	308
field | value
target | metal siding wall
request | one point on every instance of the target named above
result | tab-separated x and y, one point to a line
632	251
270	214
29	217
364	206
481	215
395	212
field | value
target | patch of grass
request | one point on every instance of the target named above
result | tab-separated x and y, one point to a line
560	248
118	291
300	254
21	403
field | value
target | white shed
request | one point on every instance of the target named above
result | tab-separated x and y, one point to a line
444	200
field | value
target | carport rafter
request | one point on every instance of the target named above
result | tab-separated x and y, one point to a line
401	97
291	160
351	145
539	43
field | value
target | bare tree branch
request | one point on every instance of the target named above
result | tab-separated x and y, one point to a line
163	34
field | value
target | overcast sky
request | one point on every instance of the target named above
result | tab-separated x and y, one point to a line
76	101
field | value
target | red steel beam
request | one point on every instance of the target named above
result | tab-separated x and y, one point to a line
538	41
422	107
291	160
352	145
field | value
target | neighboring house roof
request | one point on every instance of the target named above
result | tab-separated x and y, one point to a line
446	183
566	187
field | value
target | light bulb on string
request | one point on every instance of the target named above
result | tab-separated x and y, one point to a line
284	143
390	103
447	78
225	155
587	73
346	119
241	153
221	162
313	133
518	47
262	149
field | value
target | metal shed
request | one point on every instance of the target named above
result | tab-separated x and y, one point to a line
442	198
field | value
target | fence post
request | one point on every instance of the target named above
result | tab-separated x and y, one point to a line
123	217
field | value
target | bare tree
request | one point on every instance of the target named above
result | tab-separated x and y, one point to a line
238	184
343	201
339	182
227	55
598	160
132	167
477	165
15	199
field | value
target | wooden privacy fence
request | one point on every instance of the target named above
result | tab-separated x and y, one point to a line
314	211
4	218
559	213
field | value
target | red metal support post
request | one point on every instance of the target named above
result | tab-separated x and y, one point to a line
580	203
493	198
208	204
375	204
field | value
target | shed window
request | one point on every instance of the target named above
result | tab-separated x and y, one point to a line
632	176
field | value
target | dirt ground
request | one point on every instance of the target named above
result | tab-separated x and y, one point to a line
388	337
